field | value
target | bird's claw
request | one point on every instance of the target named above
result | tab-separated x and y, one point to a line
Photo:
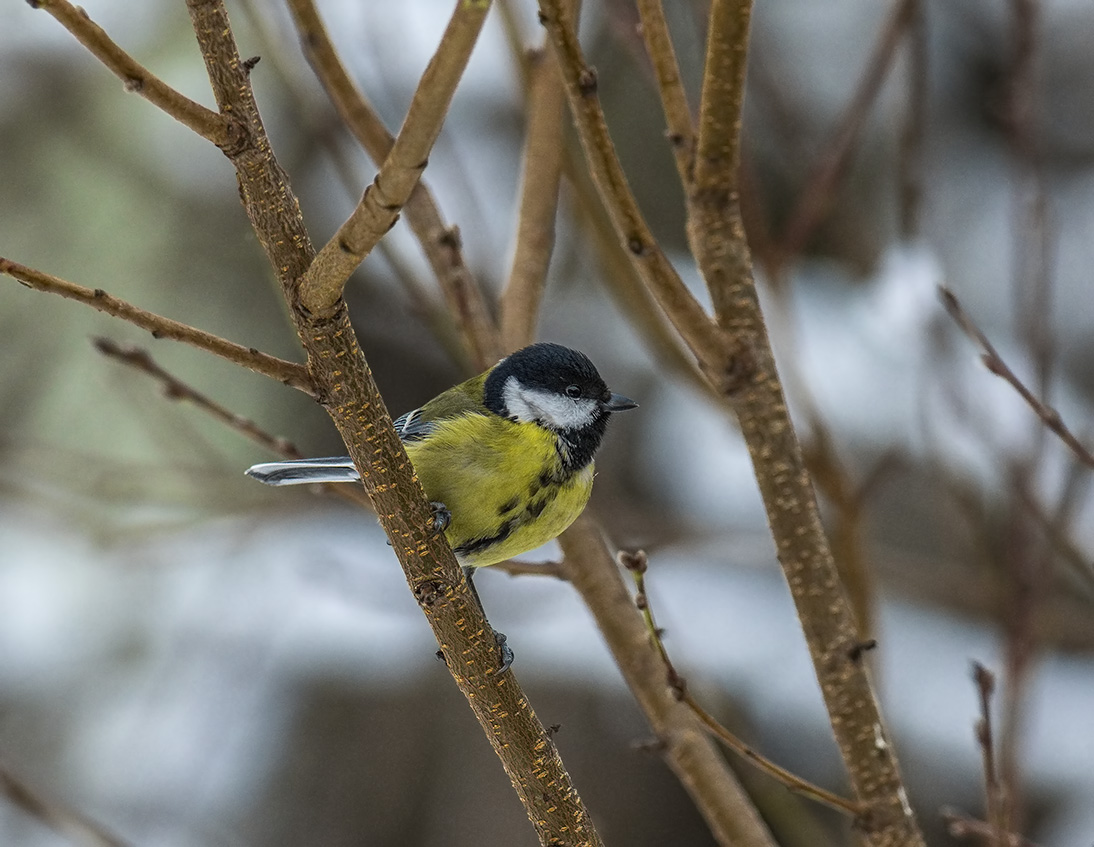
505	652
441	517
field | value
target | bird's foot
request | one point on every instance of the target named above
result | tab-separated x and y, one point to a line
441	517
505	652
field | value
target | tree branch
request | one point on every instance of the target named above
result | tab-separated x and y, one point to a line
351	398
66	822
674	99
637	564
138	79
321	287
290	373
749	384
715	228
820	186
177	390
995	364
540	177
684	744
439	241
681	307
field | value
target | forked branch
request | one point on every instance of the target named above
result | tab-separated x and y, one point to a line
138	79
289	373
321	287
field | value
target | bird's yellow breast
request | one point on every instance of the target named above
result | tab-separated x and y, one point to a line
503	482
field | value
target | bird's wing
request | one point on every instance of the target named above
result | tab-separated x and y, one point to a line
462	399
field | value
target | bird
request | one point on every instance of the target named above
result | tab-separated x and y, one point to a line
506	457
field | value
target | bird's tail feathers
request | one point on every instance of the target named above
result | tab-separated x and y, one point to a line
302	471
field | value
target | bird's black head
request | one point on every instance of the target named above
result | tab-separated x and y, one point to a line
558	389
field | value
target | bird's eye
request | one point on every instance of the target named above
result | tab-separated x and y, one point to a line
573	391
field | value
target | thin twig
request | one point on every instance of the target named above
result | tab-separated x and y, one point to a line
321	287
353	401
636	563
439	240
516	567
540	177
994	796
138	79
685	747
177	390
674	99
995	364
67	822
289	373
1031	560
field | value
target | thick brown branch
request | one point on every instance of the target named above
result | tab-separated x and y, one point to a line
321	287
351	398
290	373
745	374
718	152
542	171
439	240
136	77
715	227
674	99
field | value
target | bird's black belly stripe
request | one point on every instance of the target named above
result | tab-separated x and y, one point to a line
477	544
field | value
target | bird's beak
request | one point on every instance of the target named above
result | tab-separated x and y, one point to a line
618	403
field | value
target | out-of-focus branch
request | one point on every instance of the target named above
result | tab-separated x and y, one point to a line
543	154
683	743
820	185
994	363
994	794
440	241
138	79
963	826
175	389
637	564
743	371
68	823
321	287
674	99
289	373
914	131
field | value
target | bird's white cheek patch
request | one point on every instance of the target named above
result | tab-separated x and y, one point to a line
554	410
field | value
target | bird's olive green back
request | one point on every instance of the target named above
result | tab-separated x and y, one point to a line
457	400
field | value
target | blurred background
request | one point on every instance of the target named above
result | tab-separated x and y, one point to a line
190	658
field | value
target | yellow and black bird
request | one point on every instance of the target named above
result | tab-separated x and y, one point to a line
506	457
